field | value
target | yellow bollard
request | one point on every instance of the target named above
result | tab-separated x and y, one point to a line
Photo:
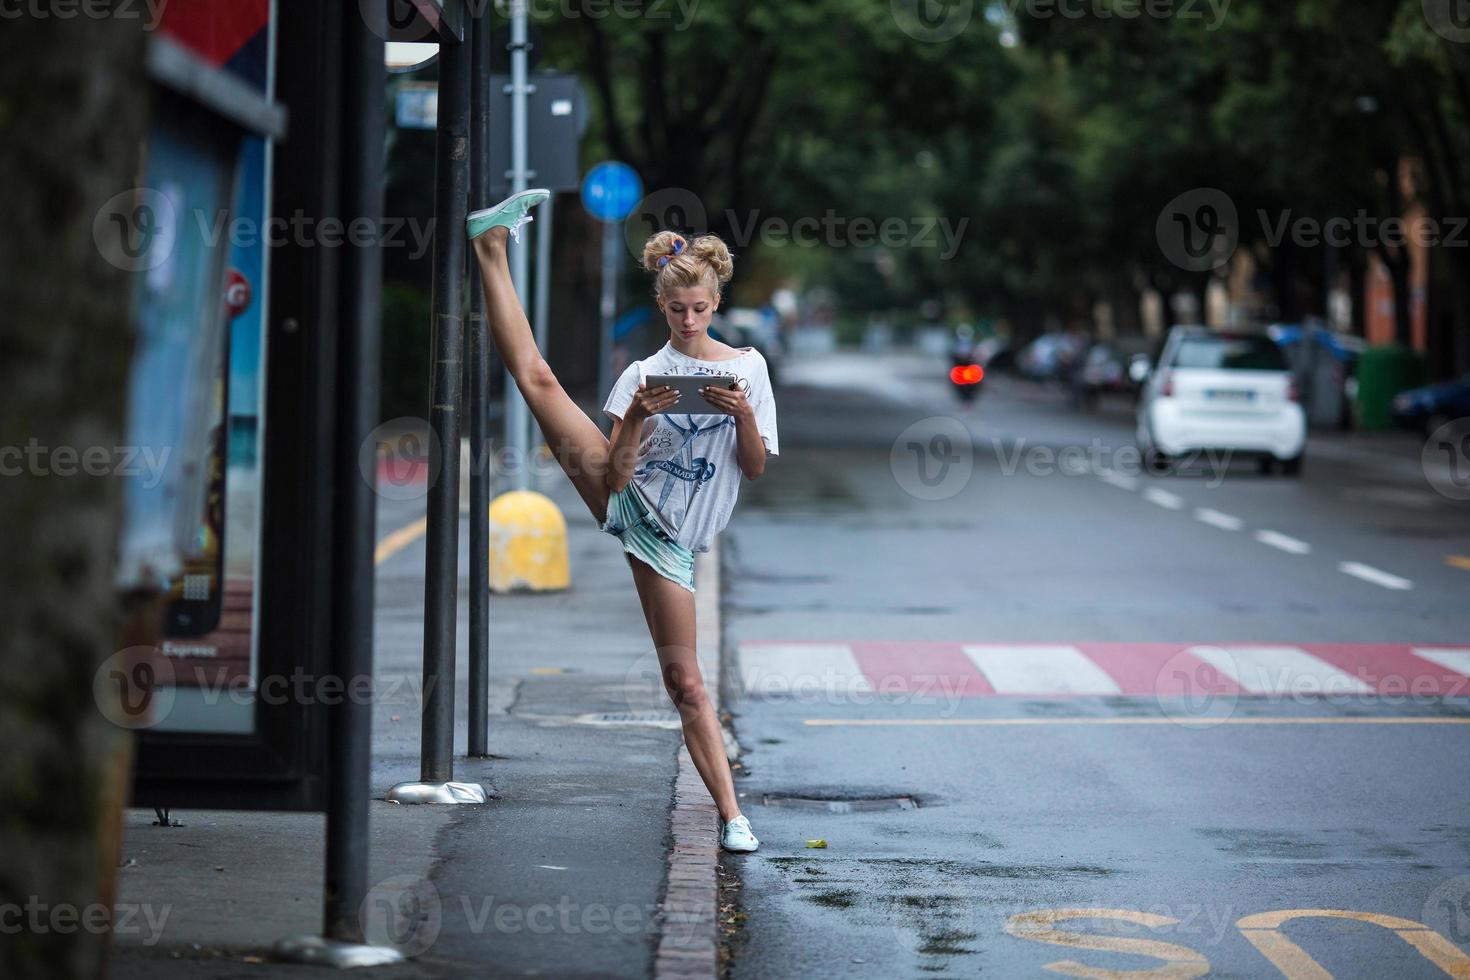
528	544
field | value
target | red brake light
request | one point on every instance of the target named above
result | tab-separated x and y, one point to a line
1166	386
966	374
1293	394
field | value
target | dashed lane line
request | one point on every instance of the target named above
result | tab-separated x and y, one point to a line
1375	575
1283	542
1215	518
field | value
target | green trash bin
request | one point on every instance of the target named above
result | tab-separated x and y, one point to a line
1383	372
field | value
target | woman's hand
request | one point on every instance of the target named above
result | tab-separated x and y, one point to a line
646	403
729	400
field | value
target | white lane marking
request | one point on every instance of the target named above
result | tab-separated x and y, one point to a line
1279	670
1375	575
1121	480
1163	498
1456	659
1215	518
1278	540
1040	670
800	668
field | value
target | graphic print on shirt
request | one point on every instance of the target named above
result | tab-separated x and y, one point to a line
689	470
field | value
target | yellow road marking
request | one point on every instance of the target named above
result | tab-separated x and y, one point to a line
1383	720
1459	561
399	539
548	670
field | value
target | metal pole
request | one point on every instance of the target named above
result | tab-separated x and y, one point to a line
479	389
441	583
611	252
517	415
543	292
354	508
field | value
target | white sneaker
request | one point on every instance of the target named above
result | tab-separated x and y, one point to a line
736	835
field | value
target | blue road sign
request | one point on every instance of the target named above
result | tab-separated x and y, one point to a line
611	190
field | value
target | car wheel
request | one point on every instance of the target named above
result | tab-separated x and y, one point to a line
1293	466
1265	465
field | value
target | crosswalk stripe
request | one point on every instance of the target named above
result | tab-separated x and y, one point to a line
1040	670
1453	659
919	672
800	668
1279	670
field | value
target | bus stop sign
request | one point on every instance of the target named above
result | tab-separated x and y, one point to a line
611	190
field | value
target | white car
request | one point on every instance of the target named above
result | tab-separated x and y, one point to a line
1221	390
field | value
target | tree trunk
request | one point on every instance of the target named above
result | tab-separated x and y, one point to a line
71	121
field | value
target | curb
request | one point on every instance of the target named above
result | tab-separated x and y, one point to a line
688	935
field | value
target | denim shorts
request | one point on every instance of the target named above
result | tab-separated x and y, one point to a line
629	521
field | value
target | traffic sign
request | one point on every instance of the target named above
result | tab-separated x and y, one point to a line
611	190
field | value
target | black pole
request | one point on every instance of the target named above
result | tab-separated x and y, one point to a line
478	372
441	573
354	510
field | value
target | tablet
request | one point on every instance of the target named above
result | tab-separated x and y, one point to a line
691	402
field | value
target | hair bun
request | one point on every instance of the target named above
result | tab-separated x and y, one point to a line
711	250
660	248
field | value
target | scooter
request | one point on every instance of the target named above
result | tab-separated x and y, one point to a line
966	374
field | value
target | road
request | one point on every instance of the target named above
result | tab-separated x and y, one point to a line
1054	714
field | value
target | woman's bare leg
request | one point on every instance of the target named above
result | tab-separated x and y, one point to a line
575	440
669	609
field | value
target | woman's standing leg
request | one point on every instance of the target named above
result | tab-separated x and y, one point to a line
575	440
669	609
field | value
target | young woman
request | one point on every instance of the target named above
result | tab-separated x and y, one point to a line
665	483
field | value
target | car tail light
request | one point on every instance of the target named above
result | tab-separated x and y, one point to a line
1166	385
966	374
1293	393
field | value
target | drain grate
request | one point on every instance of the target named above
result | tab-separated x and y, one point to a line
859	804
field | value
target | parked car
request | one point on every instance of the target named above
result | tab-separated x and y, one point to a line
1222	390
1103	370
1431	406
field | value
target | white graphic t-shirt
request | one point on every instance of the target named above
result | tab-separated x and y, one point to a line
688	468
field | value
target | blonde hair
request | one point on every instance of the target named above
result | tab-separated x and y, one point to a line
680	263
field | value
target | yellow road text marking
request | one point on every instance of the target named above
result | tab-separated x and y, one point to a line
399	539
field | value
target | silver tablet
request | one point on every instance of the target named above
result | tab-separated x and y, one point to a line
691	402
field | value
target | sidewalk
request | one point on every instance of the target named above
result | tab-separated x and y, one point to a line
566	870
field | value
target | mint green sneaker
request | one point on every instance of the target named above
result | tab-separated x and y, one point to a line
510	213
736	836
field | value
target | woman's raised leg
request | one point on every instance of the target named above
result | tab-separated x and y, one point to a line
575	440
669	609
